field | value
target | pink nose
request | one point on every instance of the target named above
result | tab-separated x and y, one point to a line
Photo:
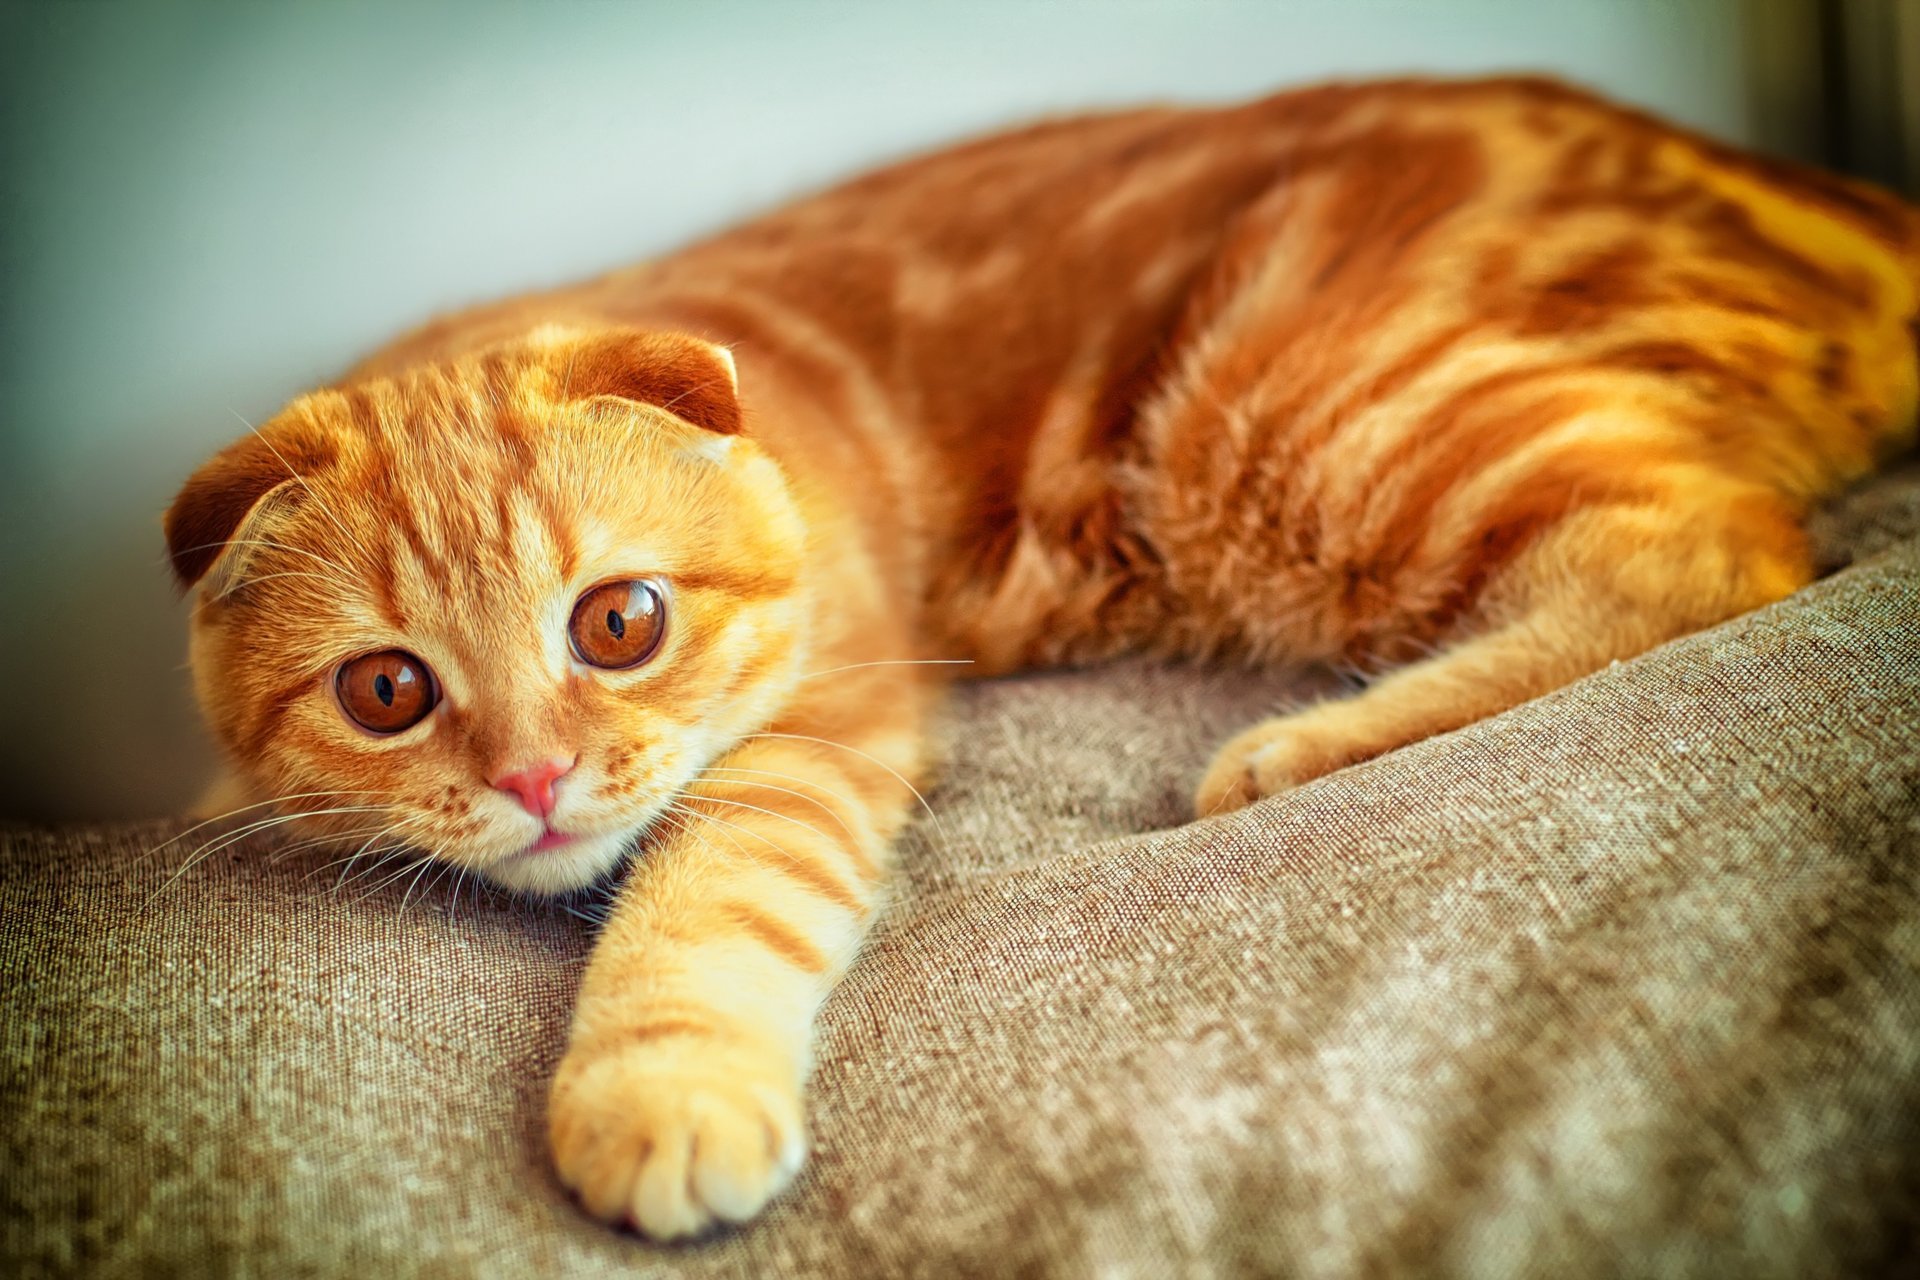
533	786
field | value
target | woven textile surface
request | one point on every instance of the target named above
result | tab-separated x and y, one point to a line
1625	981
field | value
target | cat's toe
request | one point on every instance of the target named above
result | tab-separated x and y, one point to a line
1266	760
672	1145
1229	784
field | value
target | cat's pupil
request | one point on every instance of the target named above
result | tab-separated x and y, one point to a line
616	624
383	689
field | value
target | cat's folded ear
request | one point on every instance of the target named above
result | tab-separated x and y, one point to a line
688	377
223	510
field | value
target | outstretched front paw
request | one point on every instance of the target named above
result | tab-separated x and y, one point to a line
673	1139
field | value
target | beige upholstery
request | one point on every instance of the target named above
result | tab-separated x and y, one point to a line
1626	981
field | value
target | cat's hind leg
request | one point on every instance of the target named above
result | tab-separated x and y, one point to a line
1606	583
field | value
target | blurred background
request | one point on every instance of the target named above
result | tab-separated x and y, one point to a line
205	208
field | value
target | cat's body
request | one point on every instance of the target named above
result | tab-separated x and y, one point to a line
1491	383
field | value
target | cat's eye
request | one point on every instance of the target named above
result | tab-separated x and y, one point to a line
618	624
385	692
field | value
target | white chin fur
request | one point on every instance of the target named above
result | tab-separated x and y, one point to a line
562	870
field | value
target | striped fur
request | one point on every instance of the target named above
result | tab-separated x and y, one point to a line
1473	387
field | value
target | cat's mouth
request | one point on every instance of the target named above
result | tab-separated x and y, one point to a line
560	861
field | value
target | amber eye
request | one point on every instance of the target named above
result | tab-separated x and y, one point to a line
386	692
618	624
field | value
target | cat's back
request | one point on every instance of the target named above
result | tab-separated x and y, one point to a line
1129	198
980	288
970	284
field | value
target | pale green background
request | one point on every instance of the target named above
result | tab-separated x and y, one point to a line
207	207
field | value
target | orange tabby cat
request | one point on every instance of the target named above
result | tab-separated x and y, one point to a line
1487	383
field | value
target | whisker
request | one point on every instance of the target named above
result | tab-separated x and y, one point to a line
673	821
365	850
459	883
233	837
692	834
381	855
443	871
414	883
379	833
335	862
405	866
878	764
822	805
577	913
347	861
285	851
771	813
222	817
213	846
781	849
681	820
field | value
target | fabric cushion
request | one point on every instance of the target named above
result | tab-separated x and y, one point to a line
1623	981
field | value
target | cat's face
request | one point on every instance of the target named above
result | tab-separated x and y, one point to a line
502	611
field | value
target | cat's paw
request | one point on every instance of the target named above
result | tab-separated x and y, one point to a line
666	1141
1267	760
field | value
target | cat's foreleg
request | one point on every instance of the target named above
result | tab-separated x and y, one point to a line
1607	583
678	1102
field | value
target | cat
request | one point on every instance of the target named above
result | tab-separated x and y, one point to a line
1473	386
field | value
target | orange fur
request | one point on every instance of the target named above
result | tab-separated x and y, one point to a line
1480	385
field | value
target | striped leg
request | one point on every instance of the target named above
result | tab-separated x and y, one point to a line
679	1100
1609	583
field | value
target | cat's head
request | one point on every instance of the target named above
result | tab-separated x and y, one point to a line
502	610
